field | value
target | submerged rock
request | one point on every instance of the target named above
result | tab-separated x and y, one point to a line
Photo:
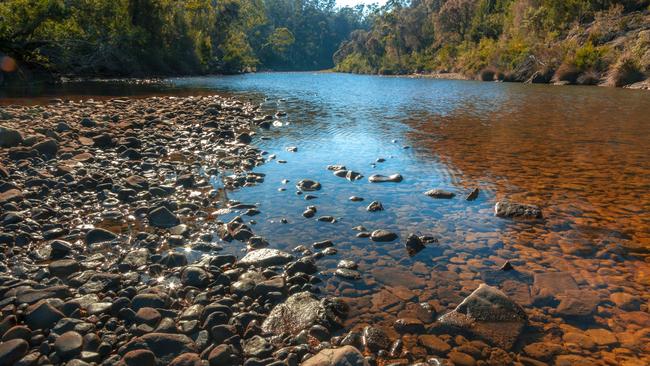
488	314
508	209
375	339
378	178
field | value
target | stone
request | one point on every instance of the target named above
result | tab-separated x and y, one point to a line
48	148
578	303
602	337
343	356
440	194
543	351
68	345
187	359
375	339
461	359
301	311
63	267
472	195
507	209
489	314
550	284
10	137
625	301
308	185
139	357
31	296
375	206
98	235
414	245
42	315
265	257
258	347
148	300
350	274
382	236
222	355
378	178
12	351
408	325
352	175
17	332
434	344
166	346
161	217
195	277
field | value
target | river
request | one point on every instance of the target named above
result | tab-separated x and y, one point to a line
580	153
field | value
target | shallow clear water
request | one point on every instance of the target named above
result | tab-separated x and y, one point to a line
581	153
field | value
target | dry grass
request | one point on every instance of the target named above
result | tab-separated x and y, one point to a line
624	72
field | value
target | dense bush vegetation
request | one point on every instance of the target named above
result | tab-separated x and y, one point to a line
576	41
163	37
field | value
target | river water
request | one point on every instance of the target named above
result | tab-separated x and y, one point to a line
580	153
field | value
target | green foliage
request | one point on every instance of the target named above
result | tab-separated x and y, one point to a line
510	39
166	37
589	57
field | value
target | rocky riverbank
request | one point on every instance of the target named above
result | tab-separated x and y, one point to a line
115	251
109	211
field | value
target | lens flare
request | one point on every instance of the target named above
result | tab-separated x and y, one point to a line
7	64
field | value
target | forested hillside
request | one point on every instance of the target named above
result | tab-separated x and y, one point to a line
172	37
566	41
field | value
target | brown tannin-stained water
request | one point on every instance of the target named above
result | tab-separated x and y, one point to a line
582	154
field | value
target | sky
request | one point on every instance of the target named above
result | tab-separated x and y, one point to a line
355	2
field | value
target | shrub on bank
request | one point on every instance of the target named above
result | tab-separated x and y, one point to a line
625	71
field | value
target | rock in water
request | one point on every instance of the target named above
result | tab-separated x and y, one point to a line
375	206
414	244
68	345
308	185
439	193
301	311
344	356
383	236
265	257
489	314
517	210
378	178
472	195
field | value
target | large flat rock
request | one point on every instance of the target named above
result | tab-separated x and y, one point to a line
265	257
301	311
488	314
